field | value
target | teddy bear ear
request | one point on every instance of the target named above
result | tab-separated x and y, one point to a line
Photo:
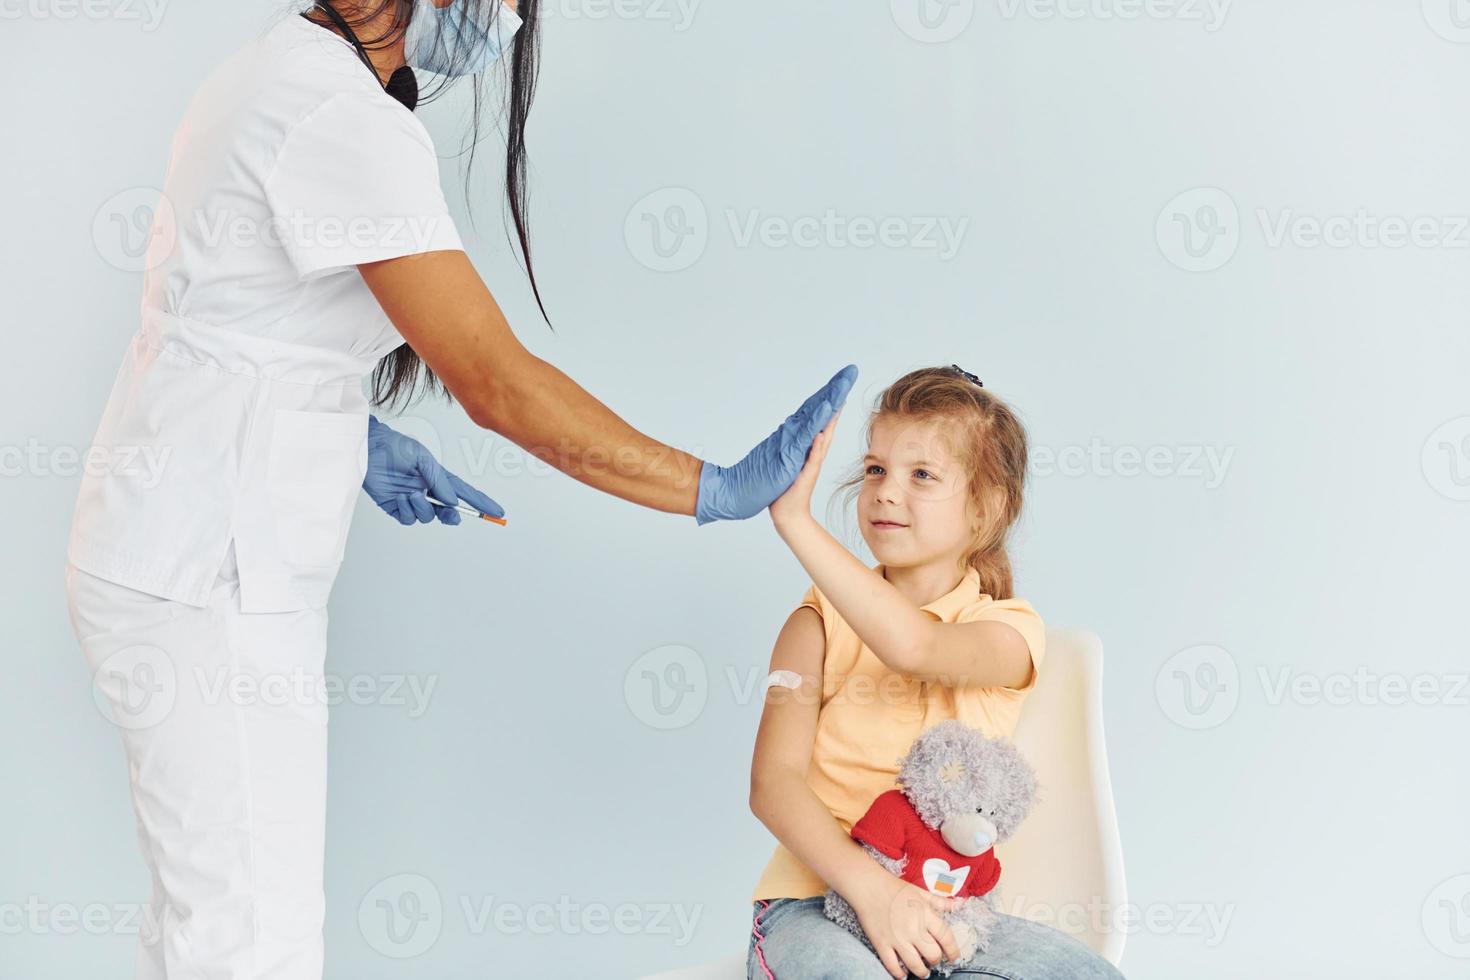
952	772
1015	760
1017	769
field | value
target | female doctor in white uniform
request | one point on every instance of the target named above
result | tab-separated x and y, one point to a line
303	244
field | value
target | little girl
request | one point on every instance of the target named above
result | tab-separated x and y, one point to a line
932	632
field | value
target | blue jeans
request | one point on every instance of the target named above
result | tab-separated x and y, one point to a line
791	939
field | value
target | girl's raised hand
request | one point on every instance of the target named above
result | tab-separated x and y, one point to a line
796	502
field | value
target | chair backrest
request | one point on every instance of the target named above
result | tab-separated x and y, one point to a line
1064	866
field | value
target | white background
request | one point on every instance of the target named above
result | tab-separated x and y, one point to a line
1330	379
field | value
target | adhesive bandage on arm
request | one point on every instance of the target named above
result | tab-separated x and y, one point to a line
783	678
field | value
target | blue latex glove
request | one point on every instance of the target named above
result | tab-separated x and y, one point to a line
733	493
401	469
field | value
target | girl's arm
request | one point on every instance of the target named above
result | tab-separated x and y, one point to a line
900	919
779	794
980	654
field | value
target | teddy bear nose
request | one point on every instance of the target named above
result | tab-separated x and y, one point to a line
983	841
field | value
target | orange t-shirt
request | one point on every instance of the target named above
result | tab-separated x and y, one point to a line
870	715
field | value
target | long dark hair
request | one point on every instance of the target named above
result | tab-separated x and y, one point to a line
400	372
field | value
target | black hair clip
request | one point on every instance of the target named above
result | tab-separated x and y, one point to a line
968	375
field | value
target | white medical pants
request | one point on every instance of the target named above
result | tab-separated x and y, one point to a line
225	730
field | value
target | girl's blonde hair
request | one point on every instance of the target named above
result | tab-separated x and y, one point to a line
990	442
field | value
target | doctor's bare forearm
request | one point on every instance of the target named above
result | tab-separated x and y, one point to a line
555	419
439	304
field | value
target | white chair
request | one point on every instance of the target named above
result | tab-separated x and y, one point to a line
1064	867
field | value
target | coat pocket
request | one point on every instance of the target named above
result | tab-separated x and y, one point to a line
315	468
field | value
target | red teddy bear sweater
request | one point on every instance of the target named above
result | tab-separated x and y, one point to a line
895	829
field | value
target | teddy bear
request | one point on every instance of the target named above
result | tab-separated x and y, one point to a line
960	793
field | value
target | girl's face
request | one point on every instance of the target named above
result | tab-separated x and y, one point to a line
914	506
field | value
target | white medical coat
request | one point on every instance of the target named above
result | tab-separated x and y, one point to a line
243	382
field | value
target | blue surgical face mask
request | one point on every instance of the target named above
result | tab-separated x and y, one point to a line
444	41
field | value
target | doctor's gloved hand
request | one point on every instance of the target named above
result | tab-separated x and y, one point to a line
401	471
733	493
